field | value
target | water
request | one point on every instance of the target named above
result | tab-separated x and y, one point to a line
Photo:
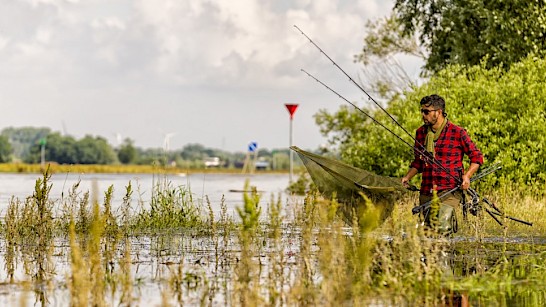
147	265
155	259
201	185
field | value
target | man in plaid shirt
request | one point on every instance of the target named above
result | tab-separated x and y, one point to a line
439	149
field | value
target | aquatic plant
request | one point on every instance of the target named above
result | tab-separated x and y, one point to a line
170	208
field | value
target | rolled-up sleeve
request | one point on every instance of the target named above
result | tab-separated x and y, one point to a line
470	149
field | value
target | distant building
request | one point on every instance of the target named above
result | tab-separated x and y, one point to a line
261	164
212	162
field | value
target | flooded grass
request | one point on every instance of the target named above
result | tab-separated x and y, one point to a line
80	251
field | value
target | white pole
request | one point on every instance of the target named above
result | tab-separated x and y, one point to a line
291	109
291	153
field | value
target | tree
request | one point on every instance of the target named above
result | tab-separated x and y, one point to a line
22	139
127	153
193	152
468	31
95	150
382	70
60	149
5	149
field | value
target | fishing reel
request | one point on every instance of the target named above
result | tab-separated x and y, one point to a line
473	205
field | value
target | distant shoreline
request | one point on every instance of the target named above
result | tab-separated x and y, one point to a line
120	169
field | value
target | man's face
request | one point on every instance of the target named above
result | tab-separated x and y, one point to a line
430	115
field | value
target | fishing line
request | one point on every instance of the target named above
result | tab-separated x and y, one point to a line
359	109
353	81
422	151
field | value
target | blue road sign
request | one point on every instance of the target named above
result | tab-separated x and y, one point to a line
252	146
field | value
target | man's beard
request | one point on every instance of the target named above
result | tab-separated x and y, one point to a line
431	123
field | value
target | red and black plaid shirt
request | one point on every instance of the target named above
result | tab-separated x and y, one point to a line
450	147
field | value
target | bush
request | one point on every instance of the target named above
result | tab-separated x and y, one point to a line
503	112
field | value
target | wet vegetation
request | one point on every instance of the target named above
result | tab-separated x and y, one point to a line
174	250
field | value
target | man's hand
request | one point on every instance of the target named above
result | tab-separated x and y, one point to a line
466	177
405	181
466	182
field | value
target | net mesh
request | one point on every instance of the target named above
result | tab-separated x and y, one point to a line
346	182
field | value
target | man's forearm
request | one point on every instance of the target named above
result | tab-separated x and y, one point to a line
411	173
472	169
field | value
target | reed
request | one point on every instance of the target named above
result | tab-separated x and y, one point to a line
96	267
170	208
246	282
125	277
276	251
10	230
79	282
309	256
304	290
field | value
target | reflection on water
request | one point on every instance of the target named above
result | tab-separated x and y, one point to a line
156	259
520	262
213	186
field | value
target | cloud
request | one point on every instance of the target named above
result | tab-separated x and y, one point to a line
65	55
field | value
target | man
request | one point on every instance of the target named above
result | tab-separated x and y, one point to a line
439	149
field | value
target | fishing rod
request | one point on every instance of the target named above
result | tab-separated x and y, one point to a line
476	200
479	176
354	82
359	109
421	152
424	153
430	158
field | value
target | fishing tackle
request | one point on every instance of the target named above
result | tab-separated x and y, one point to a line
417	147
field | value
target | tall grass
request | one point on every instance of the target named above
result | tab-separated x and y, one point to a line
170	208
308	256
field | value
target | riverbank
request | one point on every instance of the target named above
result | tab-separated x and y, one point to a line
120	169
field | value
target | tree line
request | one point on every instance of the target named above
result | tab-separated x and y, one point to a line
28	144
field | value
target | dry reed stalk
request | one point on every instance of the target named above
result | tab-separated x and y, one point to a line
97	273
125	277
79	282
246	292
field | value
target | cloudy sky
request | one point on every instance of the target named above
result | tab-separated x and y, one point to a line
213	72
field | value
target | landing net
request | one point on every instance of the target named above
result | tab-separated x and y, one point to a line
345	182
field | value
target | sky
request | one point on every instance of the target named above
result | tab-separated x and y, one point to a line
167	73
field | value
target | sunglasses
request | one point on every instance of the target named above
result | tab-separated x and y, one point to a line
427	111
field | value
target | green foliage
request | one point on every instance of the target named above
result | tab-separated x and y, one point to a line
5	149
250	212
58	148
127	153
302	185
467	31
503	112
170	208
22	139
65	149
384	37
95	150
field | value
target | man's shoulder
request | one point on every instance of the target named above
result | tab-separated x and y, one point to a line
451	126
422	129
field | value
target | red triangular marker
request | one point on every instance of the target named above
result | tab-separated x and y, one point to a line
291	109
